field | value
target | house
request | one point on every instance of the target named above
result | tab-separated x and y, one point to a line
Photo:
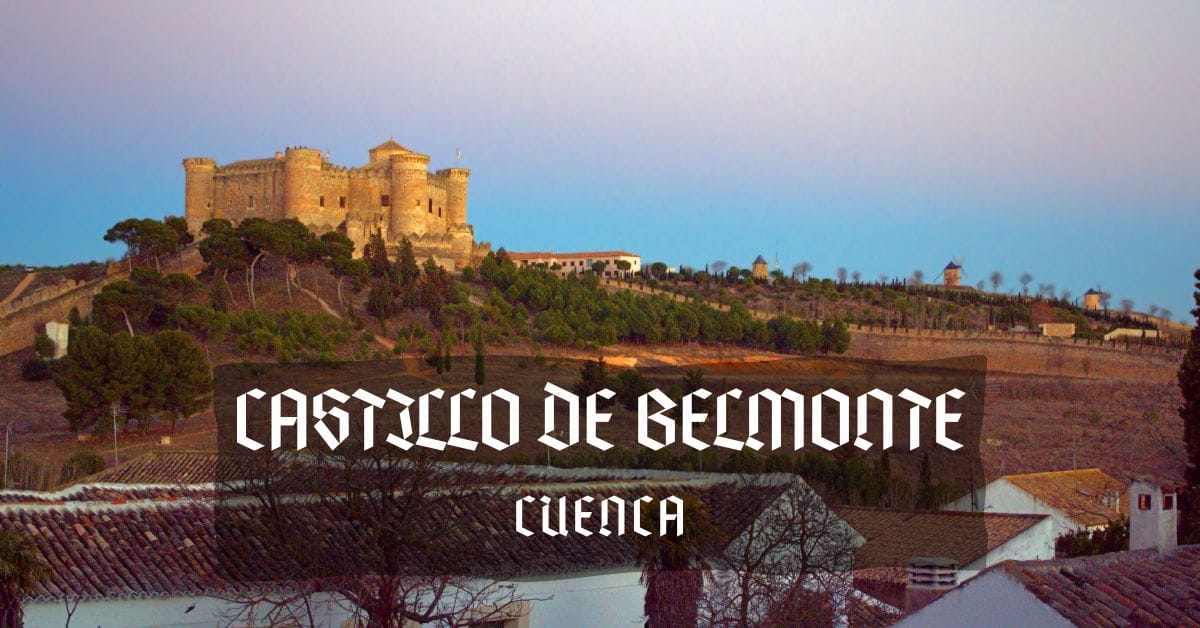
973	541
141	547
1155	582
1076	499
569	263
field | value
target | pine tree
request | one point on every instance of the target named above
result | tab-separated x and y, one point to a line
1189	385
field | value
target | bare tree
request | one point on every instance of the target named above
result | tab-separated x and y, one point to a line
718	268
1165	315
918	276
883	279
1066	296
980	285
1126	306
1025	279
802	269
997	279
841	274
856	277
769	573
376	530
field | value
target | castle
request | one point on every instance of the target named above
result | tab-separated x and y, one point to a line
394	194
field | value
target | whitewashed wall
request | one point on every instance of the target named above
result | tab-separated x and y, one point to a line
993	600
611	599
1002	496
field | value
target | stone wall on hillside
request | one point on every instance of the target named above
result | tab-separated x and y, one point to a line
1048	356
21	320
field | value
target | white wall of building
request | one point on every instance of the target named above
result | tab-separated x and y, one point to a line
603	600
993	600
607	599
1002	496
146	612
1035	543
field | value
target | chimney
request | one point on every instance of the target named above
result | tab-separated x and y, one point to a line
928	579
1153	517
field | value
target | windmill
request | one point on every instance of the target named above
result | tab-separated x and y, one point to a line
953	273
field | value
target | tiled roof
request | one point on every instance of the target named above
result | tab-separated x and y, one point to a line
118	493
953	265
759	260
1088	496
174	467
546	255
392	145
163	472
159	548
894	537
1118	589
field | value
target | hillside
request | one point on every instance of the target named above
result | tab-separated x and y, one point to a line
1052	404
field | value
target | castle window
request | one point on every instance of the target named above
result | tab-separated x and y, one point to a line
1143	502
385	200
321	200
431	206
252	200
439	212
1168	502
342	202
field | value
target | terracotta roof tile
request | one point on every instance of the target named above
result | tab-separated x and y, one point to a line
542	255
894	537
1118	589
1088	496
159	548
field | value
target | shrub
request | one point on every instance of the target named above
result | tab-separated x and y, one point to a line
35	370
81	464
43	346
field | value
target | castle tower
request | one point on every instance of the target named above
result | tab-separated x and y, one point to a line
198	191
302	185
952	274
384	151
410	193
1091	299
456	195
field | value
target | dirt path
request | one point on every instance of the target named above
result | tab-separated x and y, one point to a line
20	287
384	342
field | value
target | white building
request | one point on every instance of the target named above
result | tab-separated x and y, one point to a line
1077	499
568	263
1131	333
973	541
1155	583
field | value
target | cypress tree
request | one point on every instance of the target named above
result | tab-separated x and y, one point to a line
480	374
1189	385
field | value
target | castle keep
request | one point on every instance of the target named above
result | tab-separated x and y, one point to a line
394	193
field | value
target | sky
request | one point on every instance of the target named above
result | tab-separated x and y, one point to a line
1059	139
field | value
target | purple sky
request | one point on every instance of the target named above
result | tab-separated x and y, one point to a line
1062	139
